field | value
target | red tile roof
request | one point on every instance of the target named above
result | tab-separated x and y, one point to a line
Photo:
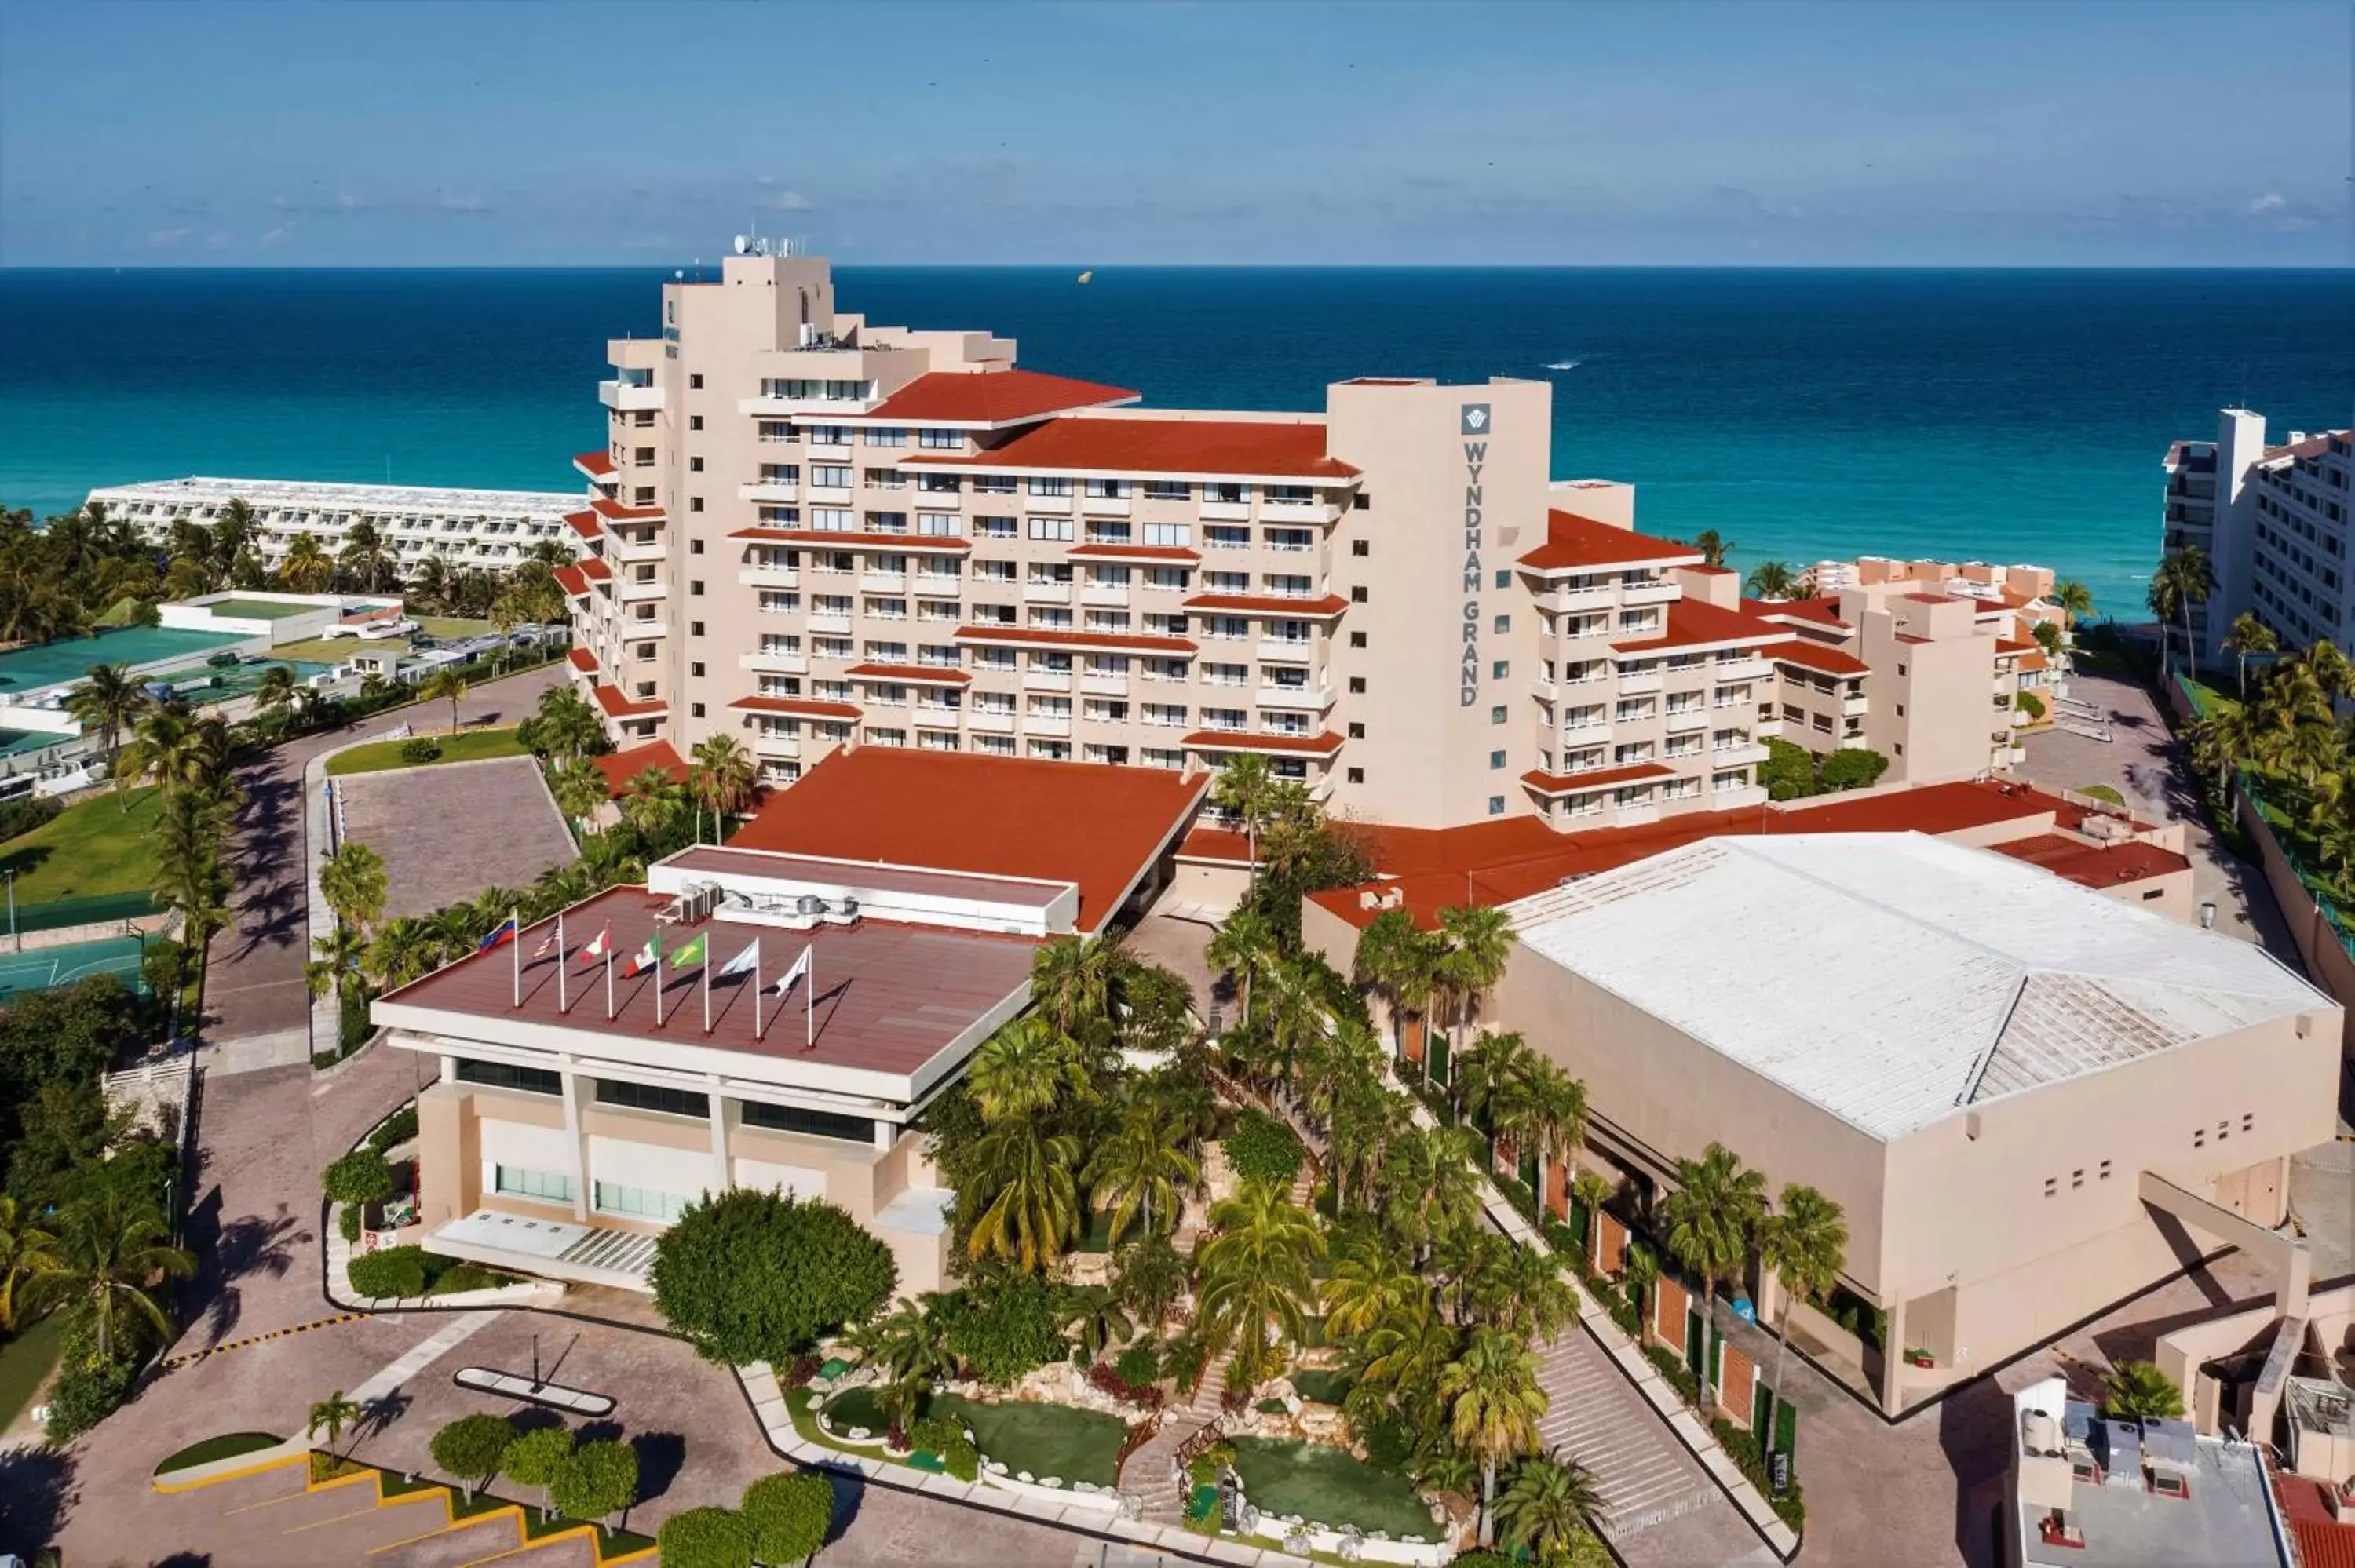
583	523
1109	641
800	707
2324	1539
607	507
1268	604
1287	450
912	675
571	580
1170	553
583	661
594	568
1932	597
1817	656
826	539
1709	571
1696	624
1098	827
620	766
611	699
1822	611
994	398
1581	544
1324	745
1599	779
2095	866
596	465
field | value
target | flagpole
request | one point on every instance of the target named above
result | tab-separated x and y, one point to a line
707	982
809	1000
756	991
609	982
515	940
562	1006
658	980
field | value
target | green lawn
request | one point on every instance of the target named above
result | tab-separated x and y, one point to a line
1323	1387
471	746
1044	1439
228	1445
258	609
96	847
326	650
448	627
25	1361
1326	1485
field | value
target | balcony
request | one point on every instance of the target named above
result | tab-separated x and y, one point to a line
1767	729
1294	511
629	396
985	723
1309	699
1048	505
1738	799
769	577
770	490
932	585
1287	649
1226	511
1569	601
1046	681
883	582
778	663
1738	756
1649	593
1046	593
835	621
1749	669
1635	683
1854	706
1543	689
829	494
1112	594
1104	684
1045	723
2018	718
637	592
1105	506
619	549
819	409
1688	720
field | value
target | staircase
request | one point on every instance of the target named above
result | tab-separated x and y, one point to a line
1148	1471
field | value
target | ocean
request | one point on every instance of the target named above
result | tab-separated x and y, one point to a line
2003	415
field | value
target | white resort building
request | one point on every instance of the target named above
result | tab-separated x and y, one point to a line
2273	521
485	528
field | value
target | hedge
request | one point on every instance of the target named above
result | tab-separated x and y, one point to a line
1264	1150
788	1515
708	1538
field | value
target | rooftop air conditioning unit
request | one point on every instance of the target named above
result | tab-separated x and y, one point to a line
809	335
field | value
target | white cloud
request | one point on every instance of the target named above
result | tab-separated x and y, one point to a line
791	201
220	238
272	235
164	238
462	204
2272	201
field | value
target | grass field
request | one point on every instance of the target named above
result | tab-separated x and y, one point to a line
258	609
448	627
228	1445
25	1361
1326	1485
471	746
95	847
1044	1439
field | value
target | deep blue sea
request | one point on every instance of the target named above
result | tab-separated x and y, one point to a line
2001	414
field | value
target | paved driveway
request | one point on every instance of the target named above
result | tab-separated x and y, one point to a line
449	831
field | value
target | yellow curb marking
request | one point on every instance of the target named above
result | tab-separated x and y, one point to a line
177	1363
331	1518
161	1485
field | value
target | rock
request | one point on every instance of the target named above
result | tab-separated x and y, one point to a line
995	1467
860	1433
814	1402
1414	1541
1022	1476
1056	1481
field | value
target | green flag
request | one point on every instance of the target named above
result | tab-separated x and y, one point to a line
689	952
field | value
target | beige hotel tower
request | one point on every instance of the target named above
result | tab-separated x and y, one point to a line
807	530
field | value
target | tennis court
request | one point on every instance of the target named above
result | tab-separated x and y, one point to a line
45	968
48	664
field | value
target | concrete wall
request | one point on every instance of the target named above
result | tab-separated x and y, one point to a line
2324	956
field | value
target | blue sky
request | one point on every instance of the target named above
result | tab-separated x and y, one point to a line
2073	133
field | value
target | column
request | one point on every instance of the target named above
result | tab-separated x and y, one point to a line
1892	1357
579	1090
725	1115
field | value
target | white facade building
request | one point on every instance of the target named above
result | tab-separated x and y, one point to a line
2273	521
485	528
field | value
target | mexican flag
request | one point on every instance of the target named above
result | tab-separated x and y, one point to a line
644	958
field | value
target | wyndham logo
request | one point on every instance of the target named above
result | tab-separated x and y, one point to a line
1475	418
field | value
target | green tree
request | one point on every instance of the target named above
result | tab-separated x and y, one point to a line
579	790
363	1176
2138	1390
332	1415
1396	961
722	778
1369	1279
1151	1278
405	949
2073	597
790	1515
306	567
651	801
1770	580
2249	635
1138	1169
1475	942
445	683
1095	1317
108	701
1246	946
1548	1505
709	1537
1032	1212
908	1344
1075	983
351	879
469	1449
27	1252
1713	546
1493	1403
1853	768
1789	772
110	1245
1025	1070
1258	1280
1804	1246
1713	1218
596	1480
534	1460
275	693
757	1276
565	726
1245	791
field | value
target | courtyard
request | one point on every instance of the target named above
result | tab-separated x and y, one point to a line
450	830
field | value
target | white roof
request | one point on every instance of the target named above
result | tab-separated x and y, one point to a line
310	494
1894	978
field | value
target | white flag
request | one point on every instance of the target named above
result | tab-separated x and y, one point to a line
801	967
744	963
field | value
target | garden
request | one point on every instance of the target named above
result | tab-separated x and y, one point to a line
419	751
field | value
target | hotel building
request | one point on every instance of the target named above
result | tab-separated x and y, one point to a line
806	531
491	529
2273	521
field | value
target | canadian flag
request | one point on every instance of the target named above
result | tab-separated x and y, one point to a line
596	949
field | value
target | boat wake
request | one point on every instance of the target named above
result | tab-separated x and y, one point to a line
1562	364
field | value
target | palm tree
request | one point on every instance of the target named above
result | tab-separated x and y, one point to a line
108	701
275	693
1770	580
1713	1218
1033	1214
2224	739
1075	982
1258	1281
405	949
651	801
2250	635
111	1247
1475	942
332	1415
2073	597
1549	1506
566	726
1713	548
1369	1281
908	1344
1399	1360
581	791
352	881
2138	1390
336	962
1245	945
1396	961
27	1252
1556	1117
2182	580
1435	1188
721	780
1096	1319
1494	1403
1493	1085
1139	1167
1806	1245
445	682
428	582
306	567
1023	1070
1243	790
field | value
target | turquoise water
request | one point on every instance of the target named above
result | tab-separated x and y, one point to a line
2010	415
29	669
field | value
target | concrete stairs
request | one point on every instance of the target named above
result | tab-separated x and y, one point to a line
1646	1478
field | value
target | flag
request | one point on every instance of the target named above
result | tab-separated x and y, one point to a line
744	963
645	957
597	949
801	967
690	951
505	931
548	943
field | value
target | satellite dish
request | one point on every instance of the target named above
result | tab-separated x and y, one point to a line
743	245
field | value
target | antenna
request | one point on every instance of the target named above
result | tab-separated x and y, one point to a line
743	245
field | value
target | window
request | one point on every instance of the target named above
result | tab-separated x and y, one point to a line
1495	760
545	1186
1178	536
695	588
1356	685
939	440
1497	714
1041	484
695	421
1496	805
1357	776
503	1075
811	1123
695	383
1357	640
1057	529
653	1097
695	669
2051	1186
1503	623
694	629
1361	547
1500	668
1358	595
695	465
695	547
639	1202
695	503
1362	501
1357	730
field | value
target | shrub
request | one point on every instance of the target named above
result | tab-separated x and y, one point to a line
352	1023
1264	1150
1137	1365
89	1387
22	816
934	1434
399	1128
420	749
1853	770
1524	1202
363	1176
596	1479
1108	1378
805	1368
757	1276
790	1514
2103	792
396	1273
1182	1362
347	1223
1271	1407
464	1276
471	1447
2032	706
533	1460
1740	1445
963	1460
1673	1369
1009	1327
1389	1442
707	1537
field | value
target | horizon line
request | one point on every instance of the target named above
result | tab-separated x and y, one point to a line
1206	266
